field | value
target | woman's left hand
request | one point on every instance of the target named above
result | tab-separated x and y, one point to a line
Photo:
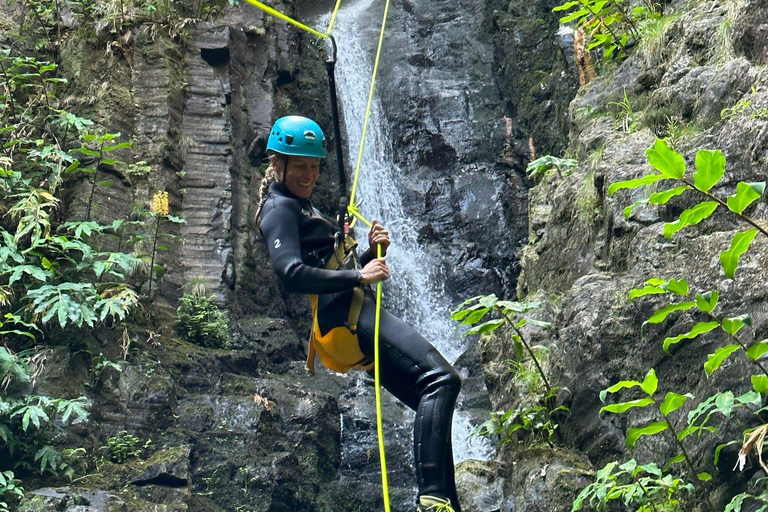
378	236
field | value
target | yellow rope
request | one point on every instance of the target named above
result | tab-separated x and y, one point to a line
370	103
333	17
355	212
274	12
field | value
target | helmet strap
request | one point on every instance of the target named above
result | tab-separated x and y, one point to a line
285	169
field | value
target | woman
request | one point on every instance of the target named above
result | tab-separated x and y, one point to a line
302	247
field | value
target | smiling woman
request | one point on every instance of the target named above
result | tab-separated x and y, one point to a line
300	175
309	258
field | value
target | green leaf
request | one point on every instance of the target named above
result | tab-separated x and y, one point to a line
661	315
617	387
634	434
176	220
628	209
707	302
704	476
566	6
486	327
48	457
739	245
676	459
714	361
539	323
68	408
648	179
710	168
665	196
673	402
665	160
459	313
476	314
750	398
724	403
646	290
650	383
746	194
118	146
700	328
680	287
734	325
757	349
625	406
760	383
573	16
736	503
86	151
690	217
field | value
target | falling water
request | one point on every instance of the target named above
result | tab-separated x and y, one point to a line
414	291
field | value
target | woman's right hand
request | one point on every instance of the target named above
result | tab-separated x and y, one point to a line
376	270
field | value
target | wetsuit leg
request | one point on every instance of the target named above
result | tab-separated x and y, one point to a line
417	375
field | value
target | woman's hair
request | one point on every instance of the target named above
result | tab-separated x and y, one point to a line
276	161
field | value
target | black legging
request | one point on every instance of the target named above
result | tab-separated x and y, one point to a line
417	375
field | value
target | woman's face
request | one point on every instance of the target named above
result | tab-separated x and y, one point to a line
301	174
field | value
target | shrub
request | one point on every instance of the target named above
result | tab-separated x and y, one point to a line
201	322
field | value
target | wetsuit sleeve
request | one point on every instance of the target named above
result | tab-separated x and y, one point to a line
281	232
367	257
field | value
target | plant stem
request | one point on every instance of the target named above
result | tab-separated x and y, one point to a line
93	182
629	20
602	21
645	491
743	217
694	476
8	86
525	344
154	251
742	345
40	21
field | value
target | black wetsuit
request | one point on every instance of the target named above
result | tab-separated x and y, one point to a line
299	240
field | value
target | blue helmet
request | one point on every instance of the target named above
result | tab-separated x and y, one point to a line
297	136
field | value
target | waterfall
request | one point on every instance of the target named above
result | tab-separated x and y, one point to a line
414	291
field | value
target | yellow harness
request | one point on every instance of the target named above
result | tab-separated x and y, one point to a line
339	349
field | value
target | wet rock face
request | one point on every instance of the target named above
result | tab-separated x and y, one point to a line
586	256
751	31
457	139
66	499
534	68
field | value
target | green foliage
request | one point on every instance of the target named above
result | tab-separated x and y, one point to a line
744	108
610	24
508	313
539	167
535	424
200	321
10	490
710	169
27	421
95	149
641	486
625	114
531	422
737	502
99	364
122	447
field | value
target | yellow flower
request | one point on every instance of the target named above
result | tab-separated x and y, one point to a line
160	203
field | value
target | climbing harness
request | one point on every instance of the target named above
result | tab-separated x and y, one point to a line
348	204
339	349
